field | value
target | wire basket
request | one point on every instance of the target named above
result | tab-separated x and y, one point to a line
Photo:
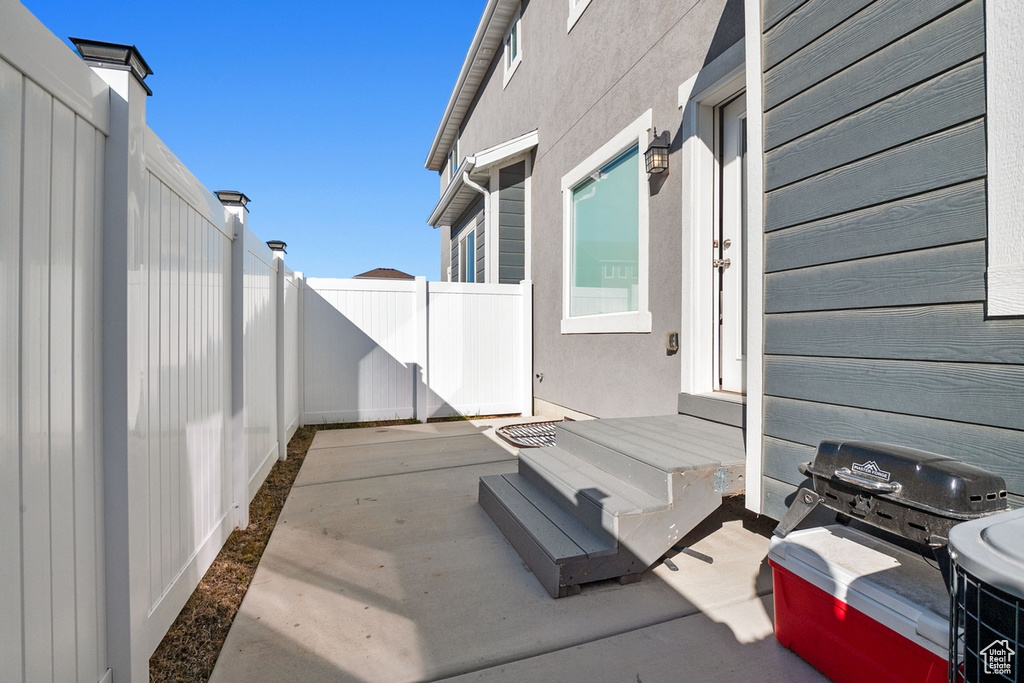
985	632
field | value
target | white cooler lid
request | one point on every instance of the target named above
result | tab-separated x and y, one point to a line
887	583
992	549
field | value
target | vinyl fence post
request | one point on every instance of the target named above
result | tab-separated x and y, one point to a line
124	508
236	217
301	332
421	387
526	373
282	433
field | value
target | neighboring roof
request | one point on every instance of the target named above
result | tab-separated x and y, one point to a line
488	38
459	195
386	274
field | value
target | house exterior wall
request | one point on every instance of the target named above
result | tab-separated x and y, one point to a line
472	219
578	90
875	240
511	224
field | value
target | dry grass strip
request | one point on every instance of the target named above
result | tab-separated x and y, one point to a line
190	649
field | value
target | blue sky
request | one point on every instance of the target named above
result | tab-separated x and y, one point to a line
321	112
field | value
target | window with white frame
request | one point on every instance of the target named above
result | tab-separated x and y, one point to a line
513	47
453	160
576	8
605	237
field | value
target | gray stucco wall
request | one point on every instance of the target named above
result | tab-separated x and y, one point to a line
579	90
875	220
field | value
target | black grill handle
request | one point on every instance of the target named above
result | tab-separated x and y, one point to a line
844	475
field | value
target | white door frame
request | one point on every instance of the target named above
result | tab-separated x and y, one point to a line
728	354
722	80
737	68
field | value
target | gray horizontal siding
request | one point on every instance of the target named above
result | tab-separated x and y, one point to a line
511	223
776	497
782	458
481	248
808	22
876	240
870	30
950	40
774	11
945	274
987	394
942	102
945	158
953	333
944	216
801	423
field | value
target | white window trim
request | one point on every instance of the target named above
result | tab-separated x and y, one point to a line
512	65
453	160
576	9
1004	62
639	321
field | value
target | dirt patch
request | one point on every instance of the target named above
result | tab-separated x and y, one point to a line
190	649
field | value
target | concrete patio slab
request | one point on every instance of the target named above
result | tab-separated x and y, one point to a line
384	568
732	643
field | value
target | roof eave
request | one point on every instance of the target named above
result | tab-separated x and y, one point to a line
476	62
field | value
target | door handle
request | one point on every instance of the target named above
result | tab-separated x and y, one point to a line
722	263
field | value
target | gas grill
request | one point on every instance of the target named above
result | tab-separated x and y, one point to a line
914	494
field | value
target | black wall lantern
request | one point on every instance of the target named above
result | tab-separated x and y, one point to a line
656	156
277	245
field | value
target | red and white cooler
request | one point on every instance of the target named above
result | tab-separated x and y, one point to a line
858	608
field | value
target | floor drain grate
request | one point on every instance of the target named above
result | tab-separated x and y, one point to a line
530	435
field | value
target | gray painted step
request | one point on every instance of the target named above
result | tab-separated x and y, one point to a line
591	544
594	497
725	409
671	443
613	495
636	472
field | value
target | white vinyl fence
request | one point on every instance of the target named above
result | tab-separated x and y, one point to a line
156	356
399	349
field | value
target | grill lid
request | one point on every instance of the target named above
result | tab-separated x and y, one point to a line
914	494
927	481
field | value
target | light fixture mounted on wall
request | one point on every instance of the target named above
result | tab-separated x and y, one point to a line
656	156
277	245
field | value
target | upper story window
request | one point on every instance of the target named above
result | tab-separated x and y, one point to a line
453	160
513	47
576	8
605	238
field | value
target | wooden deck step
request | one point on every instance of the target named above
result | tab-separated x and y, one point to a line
612	496
673	443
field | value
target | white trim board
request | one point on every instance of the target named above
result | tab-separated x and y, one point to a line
698	96
755	259
576	10
735	70
638	132
1004	63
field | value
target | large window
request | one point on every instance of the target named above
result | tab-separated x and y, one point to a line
605	238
